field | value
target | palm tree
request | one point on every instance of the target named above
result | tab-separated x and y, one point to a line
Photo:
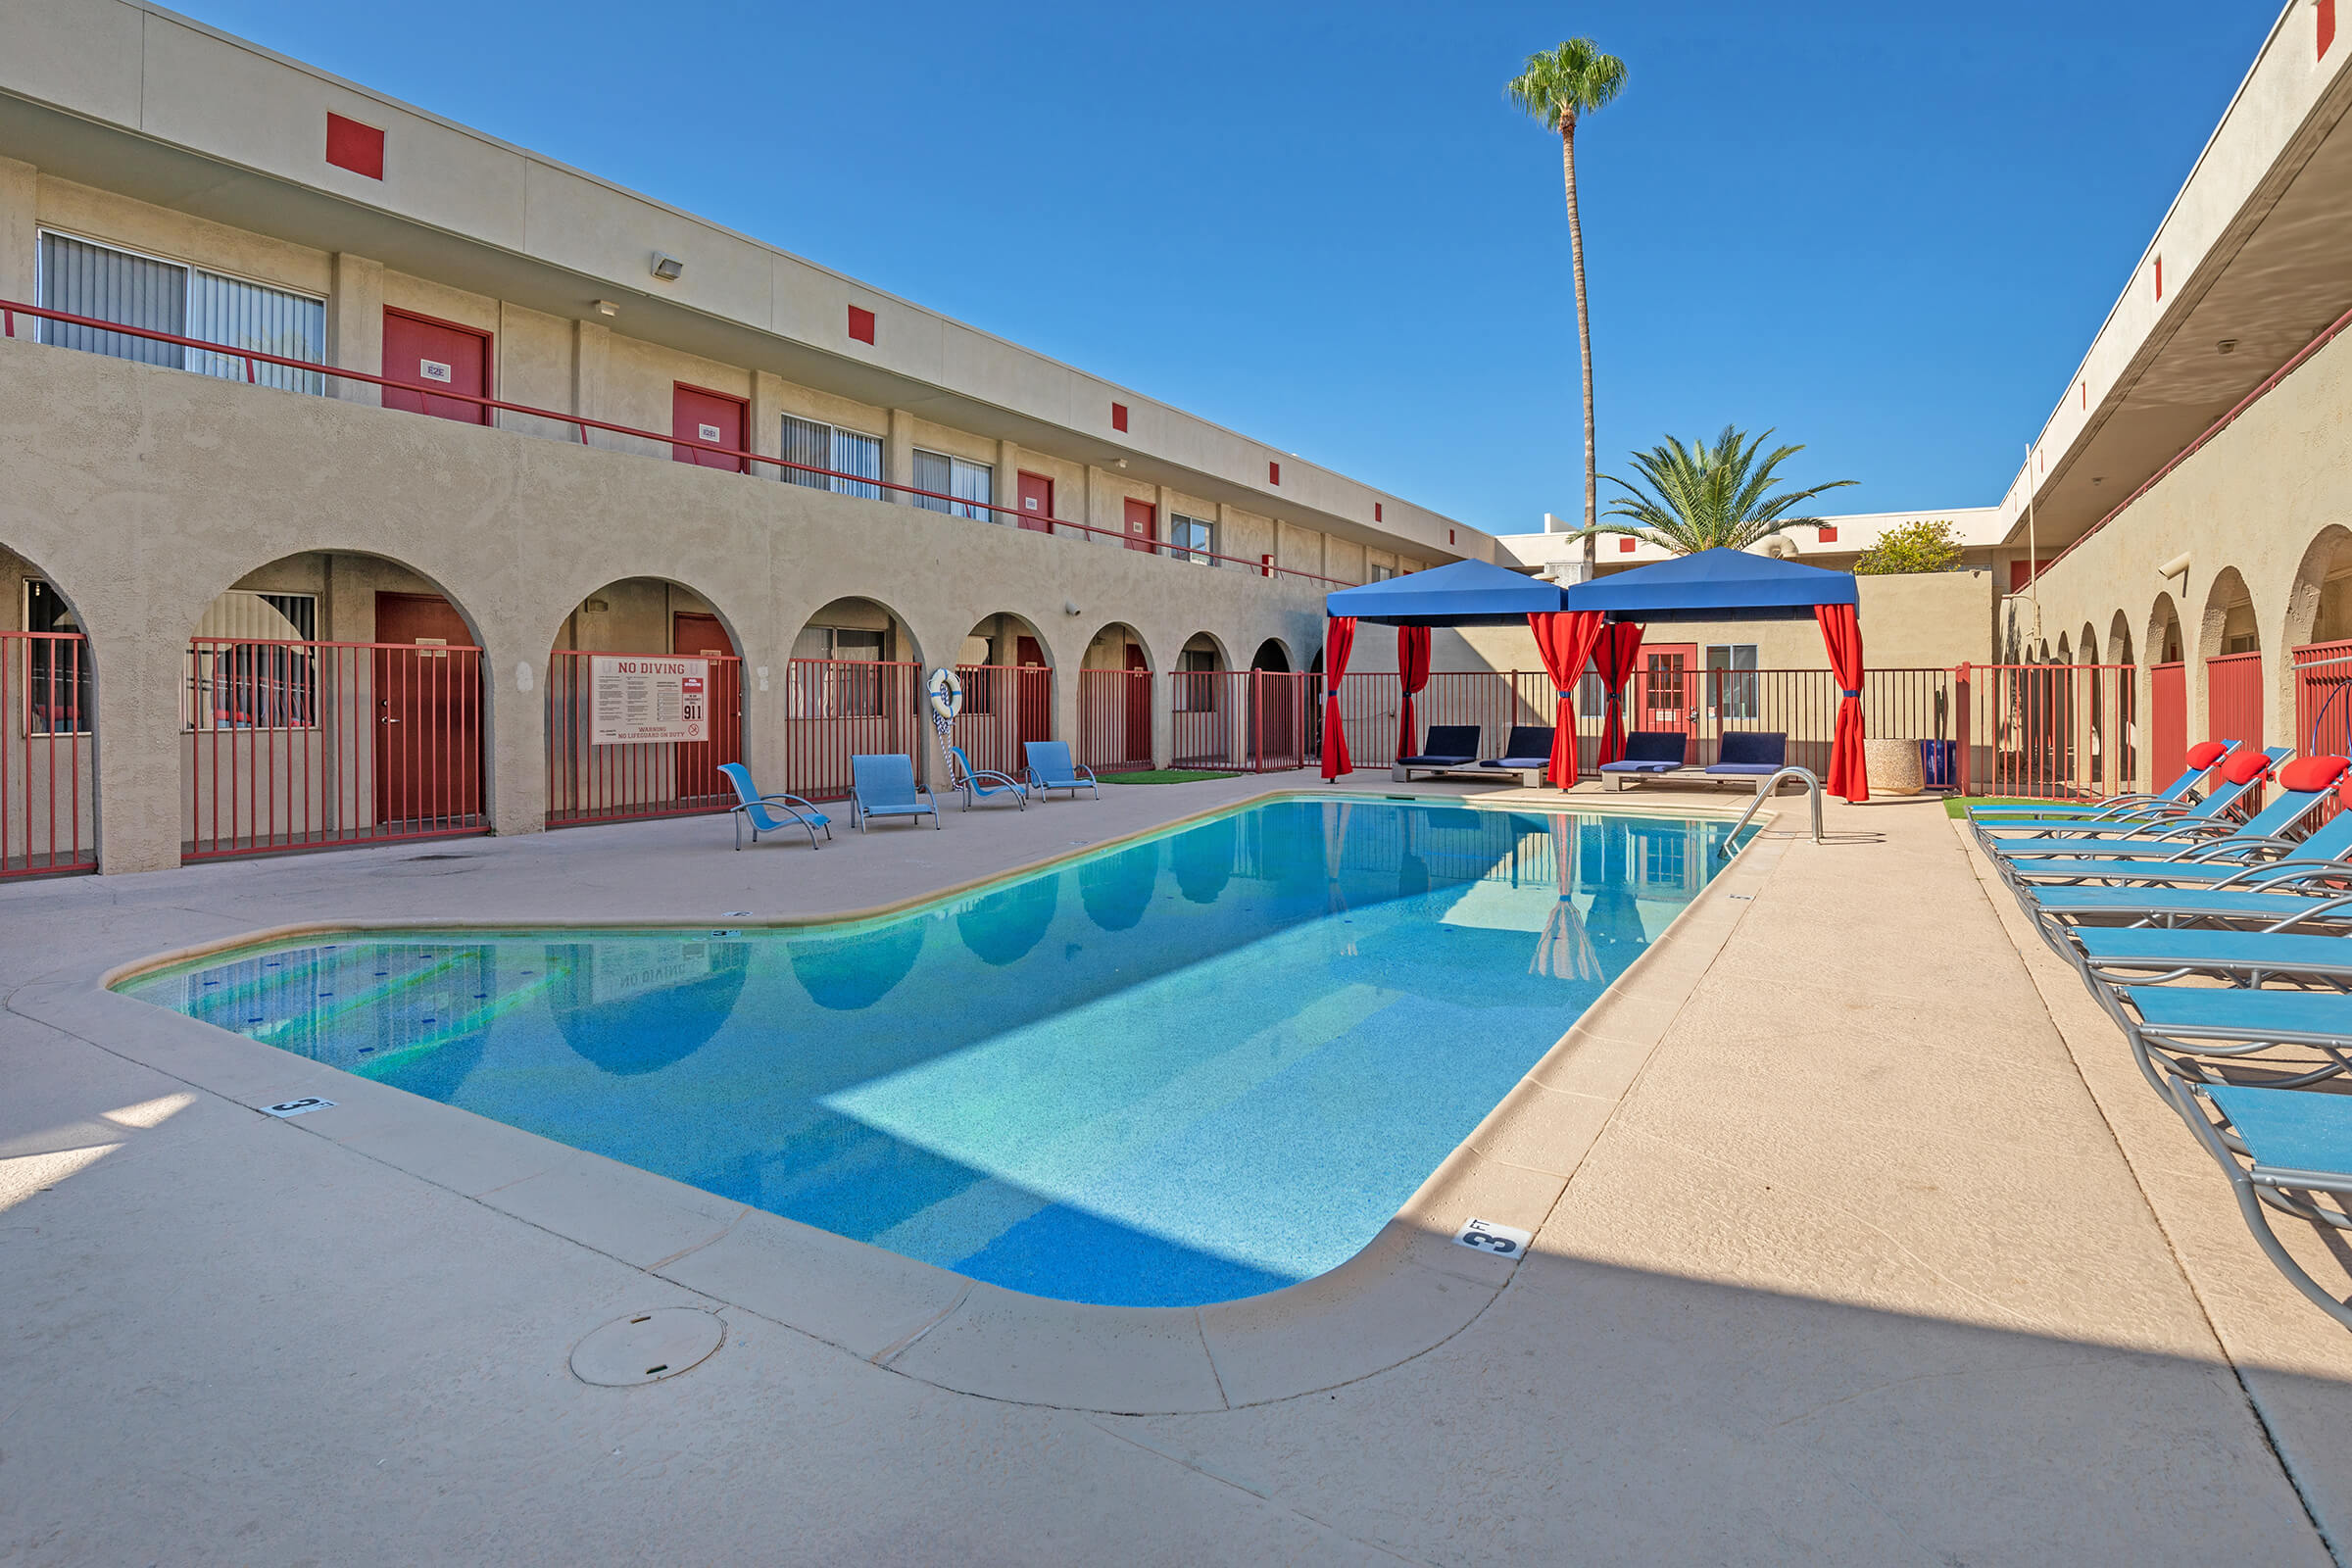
1708	497
1573	79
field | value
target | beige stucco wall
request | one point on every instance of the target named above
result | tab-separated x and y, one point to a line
143	493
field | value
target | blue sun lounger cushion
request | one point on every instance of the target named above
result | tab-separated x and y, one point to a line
1751	753
1445	746
1651	750
1530	746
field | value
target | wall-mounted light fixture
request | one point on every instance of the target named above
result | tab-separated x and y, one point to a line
2228	345
2178	567
667	266
605	308
1069	607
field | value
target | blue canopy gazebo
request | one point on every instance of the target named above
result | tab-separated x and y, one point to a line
1602	623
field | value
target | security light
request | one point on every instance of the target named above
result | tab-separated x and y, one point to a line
605	308
667	266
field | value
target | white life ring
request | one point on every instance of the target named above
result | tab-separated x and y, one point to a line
946	692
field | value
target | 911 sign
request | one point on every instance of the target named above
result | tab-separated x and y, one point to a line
644	701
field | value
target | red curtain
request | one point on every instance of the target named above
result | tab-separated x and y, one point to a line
1565	639
1620	645
1338	640
1841	634
1413	668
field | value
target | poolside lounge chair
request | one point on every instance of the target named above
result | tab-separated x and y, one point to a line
2228	1034
1444	749
1750	754
885	786
2291	1143
752	807
1648	752
1051	768
981	783
1528	752
2240	774
2202	759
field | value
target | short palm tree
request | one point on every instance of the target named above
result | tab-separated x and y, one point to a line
1556	88
1705	497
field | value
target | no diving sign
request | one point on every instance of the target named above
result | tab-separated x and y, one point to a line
1504	1241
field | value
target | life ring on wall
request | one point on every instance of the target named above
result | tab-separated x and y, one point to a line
946	692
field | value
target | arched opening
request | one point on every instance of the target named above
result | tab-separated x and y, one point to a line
2231	644
2319	633
2168	692
855	687
1280	701
1205	701
48	729
644	706
1114	701
2128	741
331	699
1271	656
1007	693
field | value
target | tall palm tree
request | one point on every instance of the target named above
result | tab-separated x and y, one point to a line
1707	497
1557	87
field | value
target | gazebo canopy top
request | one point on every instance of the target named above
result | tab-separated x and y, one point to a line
1712	585
1463	593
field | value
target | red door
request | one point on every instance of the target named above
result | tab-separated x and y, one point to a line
1037	693
711	418
429	728
694	635
1138	707
1037	501
1142	526
1668	699
431	357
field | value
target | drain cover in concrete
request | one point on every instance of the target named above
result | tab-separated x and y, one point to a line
646	1346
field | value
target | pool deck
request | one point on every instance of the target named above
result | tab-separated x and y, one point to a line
1858	1241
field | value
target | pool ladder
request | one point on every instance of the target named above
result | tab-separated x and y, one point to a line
1764	791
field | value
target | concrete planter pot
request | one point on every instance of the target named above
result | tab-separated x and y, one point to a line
1893	767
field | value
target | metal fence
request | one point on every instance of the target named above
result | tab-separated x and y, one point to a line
1003	707
1115	720
1240	721
2045	731
837	708
303	744
48	794
2323	705
2234	699
2168	721
593	781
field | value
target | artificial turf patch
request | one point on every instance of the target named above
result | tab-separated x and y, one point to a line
1160	776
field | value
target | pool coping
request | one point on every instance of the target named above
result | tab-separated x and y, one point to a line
1410	1290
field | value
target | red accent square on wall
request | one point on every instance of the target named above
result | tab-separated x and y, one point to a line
862	324
2160	277
354	146
1625	547
1827	536
1273	472
1118	416
1376	511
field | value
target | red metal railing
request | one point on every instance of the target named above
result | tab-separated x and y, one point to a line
2233	698
593	781
48	797
2323	705
669	443
1240	721
837	708
1003	707
302	744
2168	722
2045	731
1115	720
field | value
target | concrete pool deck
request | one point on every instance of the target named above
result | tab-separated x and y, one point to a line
1865	1254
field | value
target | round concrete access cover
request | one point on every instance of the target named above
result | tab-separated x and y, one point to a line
646	1346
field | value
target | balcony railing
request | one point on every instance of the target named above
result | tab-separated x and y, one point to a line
735	458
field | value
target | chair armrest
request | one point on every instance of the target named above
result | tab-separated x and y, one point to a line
794	800
1081	768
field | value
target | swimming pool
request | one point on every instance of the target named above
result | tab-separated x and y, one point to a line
1183	1069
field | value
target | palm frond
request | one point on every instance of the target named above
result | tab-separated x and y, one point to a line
1709	496
1563	83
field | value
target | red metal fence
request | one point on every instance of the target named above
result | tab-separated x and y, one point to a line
48	797
2045	731
837	708
2168	722
1240	721
1003	707
303	744
590	780
2234	699
2323	705
1115	720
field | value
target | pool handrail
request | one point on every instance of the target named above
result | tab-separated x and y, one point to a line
1764	791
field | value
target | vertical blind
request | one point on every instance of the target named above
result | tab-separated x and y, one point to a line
97	280
817	445
972	484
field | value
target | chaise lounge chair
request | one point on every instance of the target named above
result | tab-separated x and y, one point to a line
752	807
2241	773
1528	752
1444	749
885	786
981	783
1750	754
2203	758
1051	768
2291	1143
1648	752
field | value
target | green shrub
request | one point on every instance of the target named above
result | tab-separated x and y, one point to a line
1913	546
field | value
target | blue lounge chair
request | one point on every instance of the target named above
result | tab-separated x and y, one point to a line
1528	752
885	786
2290	1142
2208	1034
2203	758
1051	768
1444	749
2251	865
2208	820
1648	752
752	807
981	783
2243	772
1750	754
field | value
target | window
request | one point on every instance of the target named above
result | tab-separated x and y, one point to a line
250	665
1196	681
1191	539
972	484
1382	574
827	680
57	669
81	278
1732	681
815	445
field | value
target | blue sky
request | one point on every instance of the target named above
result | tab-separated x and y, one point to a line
1888	232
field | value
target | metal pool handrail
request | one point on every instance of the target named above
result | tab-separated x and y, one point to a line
1764	791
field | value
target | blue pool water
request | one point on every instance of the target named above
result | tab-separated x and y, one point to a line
1198	1066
